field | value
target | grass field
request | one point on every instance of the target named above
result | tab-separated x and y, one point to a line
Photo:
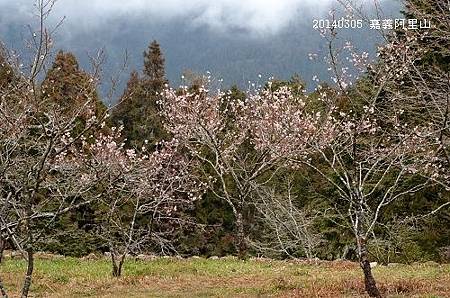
171	277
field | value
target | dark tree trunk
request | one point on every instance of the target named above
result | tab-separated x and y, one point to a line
369	280
241	244
29	274
2	248
117	270
29	247
2	290
117	264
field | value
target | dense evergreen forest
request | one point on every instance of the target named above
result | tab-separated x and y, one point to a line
355	170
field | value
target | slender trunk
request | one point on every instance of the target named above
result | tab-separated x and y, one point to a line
117	270
369	280
29	228
117	264
2	248
2	290
30	267
241	243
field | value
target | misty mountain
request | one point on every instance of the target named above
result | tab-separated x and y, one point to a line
236	55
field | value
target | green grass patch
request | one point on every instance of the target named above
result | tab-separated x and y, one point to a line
199	277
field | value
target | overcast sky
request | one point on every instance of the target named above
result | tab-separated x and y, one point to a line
234	39
258	17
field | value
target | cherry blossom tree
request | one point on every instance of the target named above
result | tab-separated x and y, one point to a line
420	88
369	164
375	158
220	131
37	182
358	143
137	191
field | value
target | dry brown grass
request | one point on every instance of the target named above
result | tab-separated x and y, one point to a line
164	277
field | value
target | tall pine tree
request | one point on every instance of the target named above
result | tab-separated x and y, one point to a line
138	110
70	87
154	71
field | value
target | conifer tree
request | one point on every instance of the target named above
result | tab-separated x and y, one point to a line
154	72
128	113
133	85
69	86
138	110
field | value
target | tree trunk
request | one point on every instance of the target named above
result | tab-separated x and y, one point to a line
117	264
30	267
369	280
2	290
117	270
2	248
240	235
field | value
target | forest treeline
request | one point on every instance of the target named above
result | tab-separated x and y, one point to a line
357	170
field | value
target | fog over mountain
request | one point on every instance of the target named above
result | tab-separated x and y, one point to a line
234	40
